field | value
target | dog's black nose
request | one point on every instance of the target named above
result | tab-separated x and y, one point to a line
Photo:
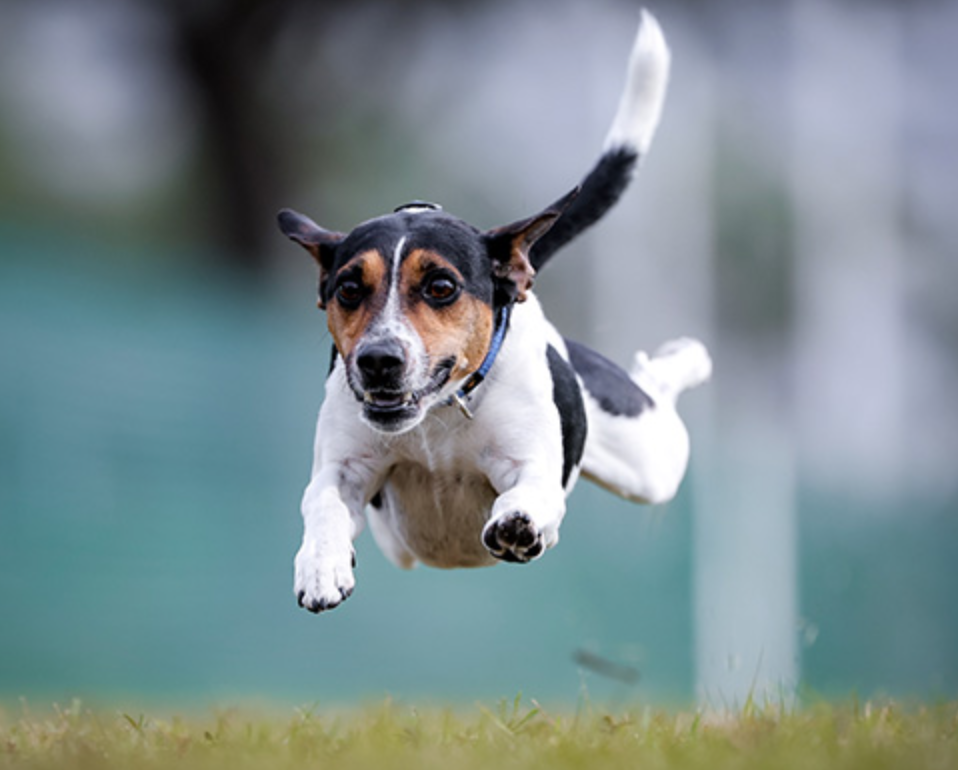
381	364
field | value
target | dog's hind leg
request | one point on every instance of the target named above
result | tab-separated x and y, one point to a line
677	365
637	445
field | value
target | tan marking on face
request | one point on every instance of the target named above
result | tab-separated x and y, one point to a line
460	330
348	325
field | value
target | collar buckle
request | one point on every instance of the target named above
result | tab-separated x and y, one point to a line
458	399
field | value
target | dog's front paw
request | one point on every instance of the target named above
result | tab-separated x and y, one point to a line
513	537
323	581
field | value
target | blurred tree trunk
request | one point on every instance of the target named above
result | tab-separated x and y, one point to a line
225	49
222	46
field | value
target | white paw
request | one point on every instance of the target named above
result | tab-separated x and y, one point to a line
677	365
696	361
323	581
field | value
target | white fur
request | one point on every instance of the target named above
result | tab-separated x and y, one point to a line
440	479
640	106
449	479
677	365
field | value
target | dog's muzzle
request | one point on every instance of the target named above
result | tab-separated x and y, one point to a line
389	403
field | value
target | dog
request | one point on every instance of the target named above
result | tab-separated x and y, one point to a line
456	418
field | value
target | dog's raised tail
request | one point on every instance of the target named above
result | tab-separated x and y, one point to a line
628	140
640	105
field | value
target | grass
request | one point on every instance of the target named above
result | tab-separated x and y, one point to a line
867	737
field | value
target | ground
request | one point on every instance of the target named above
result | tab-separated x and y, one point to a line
514	734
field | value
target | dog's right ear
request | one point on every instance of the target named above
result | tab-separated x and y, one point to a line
317	241
509	248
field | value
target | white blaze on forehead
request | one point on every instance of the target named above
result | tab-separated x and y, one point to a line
392	312
392	323
397	263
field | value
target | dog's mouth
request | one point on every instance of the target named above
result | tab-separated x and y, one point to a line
386	401
394	410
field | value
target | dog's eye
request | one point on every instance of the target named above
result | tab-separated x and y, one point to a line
349	293
441	289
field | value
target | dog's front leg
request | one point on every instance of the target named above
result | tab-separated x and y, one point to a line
332	519
525	517
348	467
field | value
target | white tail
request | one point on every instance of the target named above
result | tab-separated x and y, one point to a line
640	105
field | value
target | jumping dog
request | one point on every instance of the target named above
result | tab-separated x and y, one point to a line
456	418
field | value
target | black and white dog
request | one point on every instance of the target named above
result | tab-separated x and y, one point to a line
456	417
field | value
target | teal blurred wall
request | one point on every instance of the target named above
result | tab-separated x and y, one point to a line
155	436
161	358
155	433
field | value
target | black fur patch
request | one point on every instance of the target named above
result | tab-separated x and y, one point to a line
607	383
600	190
568	400
333	355
448	236
457	241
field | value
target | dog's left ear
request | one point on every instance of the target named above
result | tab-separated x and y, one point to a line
316	240
509	247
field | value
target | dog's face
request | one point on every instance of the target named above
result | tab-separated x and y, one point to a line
410	299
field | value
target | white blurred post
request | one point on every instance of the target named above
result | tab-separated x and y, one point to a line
744	557
662	258
744	549
850	366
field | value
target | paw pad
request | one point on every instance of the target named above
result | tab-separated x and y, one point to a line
319	605
513	538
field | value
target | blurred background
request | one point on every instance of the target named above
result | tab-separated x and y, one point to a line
162	357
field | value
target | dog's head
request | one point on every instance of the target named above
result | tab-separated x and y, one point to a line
410	300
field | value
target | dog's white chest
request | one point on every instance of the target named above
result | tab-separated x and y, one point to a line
436	497
438	514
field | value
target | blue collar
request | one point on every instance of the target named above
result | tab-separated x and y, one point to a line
459	397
